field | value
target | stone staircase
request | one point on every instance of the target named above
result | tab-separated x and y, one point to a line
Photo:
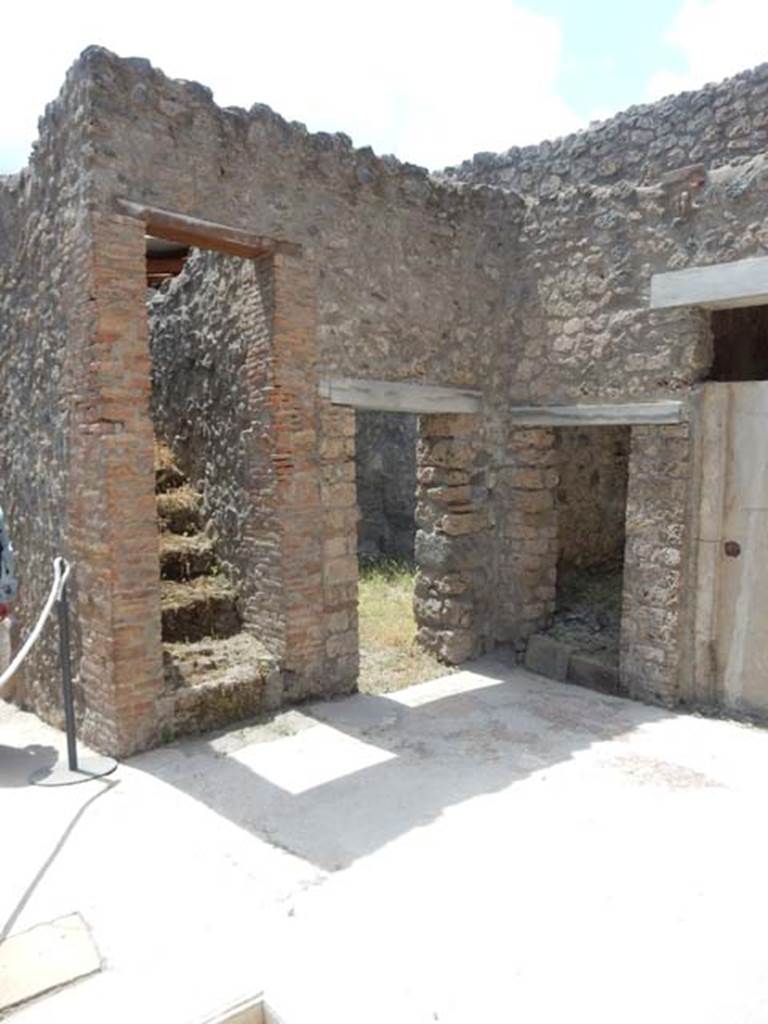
216	673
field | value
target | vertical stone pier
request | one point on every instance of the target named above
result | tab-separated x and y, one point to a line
454	537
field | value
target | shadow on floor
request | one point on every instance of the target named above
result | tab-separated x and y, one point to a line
18	763
442	752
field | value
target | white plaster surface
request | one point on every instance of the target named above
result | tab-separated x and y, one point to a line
732	592
489	847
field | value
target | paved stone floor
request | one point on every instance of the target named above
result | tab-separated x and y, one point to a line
491	846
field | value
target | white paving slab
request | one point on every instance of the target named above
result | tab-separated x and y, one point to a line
45	957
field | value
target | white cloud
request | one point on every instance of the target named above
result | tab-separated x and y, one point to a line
430	80
715	39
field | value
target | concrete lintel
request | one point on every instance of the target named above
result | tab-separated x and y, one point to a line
206	234
741	283
596	414
396	396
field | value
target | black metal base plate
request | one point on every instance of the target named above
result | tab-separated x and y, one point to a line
60	774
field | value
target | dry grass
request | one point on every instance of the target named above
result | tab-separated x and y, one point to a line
389	656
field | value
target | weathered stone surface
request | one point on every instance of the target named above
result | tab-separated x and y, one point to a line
548	657
671	142
594	674
402	277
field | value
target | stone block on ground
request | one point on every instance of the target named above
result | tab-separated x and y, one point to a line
548	657
594	674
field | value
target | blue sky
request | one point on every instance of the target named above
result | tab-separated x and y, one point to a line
612	50
432	81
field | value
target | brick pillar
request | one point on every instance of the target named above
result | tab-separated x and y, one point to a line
454	538
294	416
526	483
652	606
111	502
339	527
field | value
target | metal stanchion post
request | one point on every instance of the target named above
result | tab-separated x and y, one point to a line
93	767
66	677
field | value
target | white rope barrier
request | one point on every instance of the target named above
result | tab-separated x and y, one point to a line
60	575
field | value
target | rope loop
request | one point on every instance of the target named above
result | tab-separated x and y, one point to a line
61	571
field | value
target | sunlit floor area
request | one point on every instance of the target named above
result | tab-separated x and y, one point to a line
390	658
488	846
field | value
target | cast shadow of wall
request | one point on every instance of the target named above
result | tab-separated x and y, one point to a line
468	743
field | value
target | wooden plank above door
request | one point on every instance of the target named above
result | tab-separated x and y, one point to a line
204	234
397	396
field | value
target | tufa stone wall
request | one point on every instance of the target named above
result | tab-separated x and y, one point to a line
658	545
51	412
339	547
527	540
454	541
9	213
386	484
542	300
412	274
716	125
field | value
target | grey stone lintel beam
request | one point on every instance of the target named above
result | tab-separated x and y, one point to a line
394	396
596	415
741	283
204	234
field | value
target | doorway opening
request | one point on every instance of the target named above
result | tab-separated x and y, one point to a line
207	312
740	344
593	470
386	482
385	474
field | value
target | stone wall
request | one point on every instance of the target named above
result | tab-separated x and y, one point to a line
45	319
9	214
658	546
454	541
527	538
339	553
386	484
716	125
543	301
592	468
412	275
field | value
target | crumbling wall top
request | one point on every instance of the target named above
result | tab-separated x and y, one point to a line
721	123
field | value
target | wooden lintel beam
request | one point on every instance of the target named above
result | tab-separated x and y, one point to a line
397	396
597	414
204	234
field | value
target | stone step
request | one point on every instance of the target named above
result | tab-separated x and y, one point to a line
202	607
167	478
182	557
180	510
167	473
558	660
213	683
